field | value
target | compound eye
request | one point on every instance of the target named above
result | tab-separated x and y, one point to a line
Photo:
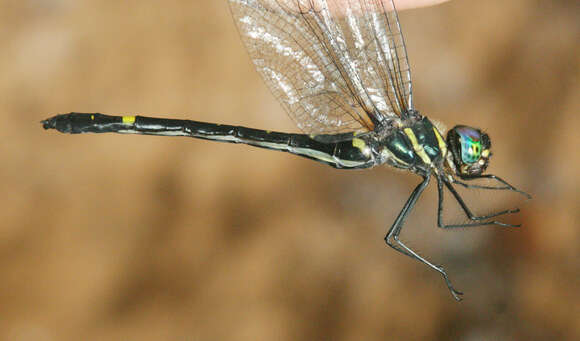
470	140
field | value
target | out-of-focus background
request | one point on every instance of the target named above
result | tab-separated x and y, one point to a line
112	237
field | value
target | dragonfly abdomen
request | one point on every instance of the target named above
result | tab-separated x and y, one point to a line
355	152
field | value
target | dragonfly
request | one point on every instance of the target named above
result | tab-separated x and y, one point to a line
340	70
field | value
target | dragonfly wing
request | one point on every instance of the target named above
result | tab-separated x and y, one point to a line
335	66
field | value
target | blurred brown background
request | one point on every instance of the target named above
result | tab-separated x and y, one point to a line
112	237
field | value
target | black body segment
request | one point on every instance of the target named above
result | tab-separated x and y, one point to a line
84	123
346	154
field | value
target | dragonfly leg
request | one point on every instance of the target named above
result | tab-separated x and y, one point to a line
506	185
468	213
392	237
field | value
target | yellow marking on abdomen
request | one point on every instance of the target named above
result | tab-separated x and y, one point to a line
128	119
416	146
362	146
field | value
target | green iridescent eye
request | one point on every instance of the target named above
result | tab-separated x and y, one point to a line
470	145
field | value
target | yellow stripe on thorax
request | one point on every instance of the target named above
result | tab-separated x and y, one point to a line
441	142
416	146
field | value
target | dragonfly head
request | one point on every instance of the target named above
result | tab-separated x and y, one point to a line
470	149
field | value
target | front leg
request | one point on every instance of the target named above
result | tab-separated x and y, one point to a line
468	213
506	185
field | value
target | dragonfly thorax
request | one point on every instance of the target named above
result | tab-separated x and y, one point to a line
418	147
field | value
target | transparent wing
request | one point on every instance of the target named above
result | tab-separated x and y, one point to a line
335	65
